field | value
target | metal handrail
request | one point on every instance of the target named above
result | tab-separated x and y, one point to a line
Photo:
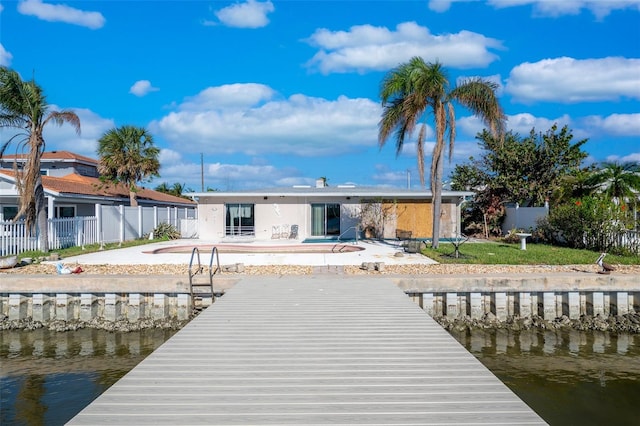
199	270
212	272
356	228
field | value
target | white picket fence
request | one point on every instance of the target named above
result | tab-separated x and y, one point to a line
111	224
65	232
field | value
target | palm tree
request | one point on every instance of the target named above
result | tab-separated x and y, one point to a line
415	88
163	187
23	106
128	156
618	180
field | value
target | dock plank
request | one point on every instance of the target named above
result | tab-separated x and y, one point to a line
310	351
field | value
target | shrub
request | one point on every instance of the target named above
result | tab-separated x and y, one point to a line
166	231
587	223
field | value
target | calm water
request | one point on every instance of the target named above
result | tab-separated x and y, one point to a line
569	378
48	377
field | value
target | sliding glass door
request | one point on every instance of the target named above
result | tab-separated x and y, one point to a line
325	220
240	220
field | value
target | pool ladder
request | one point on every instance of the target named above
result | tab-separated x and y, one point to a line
199	290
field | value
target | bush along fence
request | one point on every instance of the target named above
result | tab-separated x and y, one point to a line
111	224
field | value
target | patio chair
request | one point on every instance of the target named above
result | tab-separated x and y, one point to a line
294	232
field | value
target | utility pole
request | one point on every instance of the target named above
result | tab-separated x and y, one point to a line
202	170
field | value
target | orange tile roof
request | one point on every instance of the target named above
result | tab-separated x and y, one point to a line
84	185
55	155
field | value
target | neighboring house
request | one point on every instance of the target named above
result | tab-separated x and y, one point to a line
72	187
303	212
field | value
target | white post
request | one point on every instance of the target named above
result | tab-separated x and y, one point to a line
88	306
41	307
99	234
549	305
574	304
476	305
121	223
136	307
155	217
598	303
64	307
111	307
427	303
140	230
500	302
452	305
622	302
524	300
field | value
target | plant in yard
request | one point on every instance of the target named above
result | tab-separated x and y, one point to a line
416	89
166	231
23	106
128	156
592	222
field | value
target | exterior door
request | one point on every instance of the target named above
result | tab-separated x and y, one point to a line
325	220
240	220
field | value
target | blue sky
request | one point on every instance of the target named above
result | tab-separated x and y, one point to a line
277	93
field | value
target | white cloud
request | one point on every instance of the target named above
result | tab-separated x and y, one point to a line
365	47
229	96
65	138
569	80
61	13
555	8
227	176
614	124
250	14
5	56
257	125
142	87
552	8
631	157
169	156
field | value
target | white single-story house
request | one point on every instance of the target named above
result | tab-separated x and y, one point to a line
307	212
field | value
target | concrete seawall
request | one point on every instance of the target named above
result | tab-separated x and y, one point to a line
46	298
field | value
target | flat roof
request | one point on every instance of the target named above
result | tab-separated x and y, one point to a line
331	191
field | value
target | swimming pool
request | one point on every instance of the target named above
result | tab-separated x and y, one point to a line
250	248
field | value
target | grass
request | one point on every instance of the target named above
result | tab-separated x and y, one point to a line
510	254
90	248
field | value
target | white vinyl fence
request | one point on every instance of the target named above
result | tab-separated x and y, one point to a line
523	218
111	224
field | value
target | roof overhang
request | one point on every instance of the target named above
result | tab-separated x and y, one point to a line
330	192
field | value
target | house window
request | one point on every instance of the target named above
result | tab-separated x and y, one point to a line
65	211
240	220
8	213
325	220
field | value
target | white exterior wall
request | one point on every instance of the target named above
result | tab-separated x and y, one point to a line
274	212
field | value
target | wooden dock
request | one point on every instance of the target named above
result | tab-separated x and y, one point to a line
310	351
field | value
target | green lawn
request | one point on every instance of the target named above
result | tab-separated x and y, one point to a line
490	253
91	248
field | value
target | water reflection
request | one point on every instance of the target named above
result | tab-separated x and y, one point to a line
48	377
568	377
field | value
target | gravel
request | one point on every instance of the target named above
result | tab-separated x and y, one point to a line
409	269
